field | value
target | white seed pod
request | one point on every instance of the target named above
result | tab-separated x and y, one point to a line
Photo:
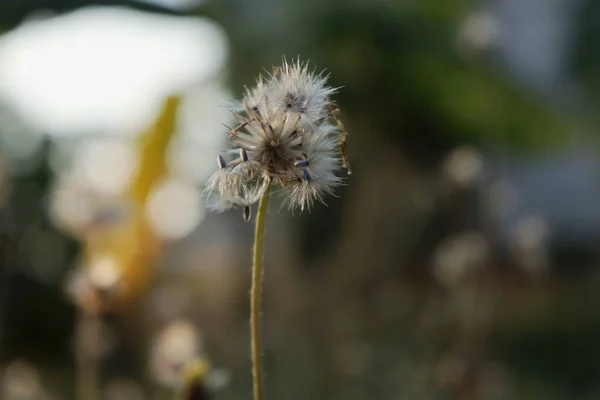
283	138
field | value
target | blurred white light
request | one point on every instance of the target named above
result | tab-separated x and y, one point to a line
530	233
104	273
181	341
174	209
479	31
21	381
463	165
175	346
529	243
459	255
99	70
202	132
208	100
107	165
71	207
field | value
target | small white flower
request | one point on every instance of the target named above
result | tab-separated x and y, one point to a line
284	137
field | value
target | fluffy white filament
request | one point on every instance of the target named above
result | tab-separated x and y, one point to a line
285	137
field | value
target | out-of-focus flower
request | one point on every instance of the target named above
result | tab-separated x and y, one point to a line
478	32
463	166
457	256
177	344
284	137
94	287
82	293
104	273
21	381
529	244
178	360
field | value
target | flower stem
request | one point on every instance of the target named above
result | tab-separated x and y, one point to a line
256	295
87	336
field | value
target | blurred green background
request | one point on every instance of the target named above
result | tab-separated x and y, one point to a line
460	261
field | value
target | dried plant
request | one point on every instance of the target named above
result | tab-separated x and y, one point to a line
289	135
285	137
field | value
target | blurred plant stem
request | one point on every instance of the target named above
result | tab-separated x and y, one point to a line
256	294
87	346
130	244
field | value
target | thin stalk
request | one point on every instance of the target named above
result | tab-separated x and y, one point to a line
256	295
87	336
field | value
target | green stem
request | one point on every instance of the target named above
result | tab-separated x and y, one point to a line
256	295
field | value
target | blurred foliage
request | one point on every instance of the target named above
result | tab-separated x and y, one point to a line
130	242
427	97
401	62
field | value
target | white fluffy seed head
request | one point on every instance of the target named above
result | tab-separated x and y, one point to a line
298	90
284	137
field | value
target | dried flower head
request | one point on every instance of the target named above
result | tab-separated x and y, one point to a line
285	137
